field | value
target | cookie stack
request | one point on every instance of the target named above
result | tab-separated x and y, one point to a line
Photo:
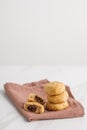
57	96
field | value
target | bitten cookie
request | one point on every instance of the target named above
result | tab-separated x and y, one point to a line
35	98
34	107
54	88
56	107
58	98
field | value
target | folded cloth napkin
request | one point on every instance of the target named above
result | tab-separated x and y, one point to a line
19	95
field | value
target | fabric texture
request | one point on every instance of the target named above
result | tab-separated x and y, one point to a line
19	95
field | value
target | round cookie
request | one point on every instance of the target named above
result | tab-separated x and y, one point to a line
58	98
34	107
54	88
56	107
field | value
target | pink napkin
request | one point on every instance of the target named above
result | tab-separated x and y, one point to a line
19	95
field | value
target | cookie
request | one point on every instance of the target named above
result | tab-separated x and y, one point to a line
56	107
34	107
35	98
54	88
58	98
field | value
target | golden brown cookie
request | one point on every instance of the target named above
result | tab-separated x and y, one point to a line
58	98
34	107
54	88
56	107
35	98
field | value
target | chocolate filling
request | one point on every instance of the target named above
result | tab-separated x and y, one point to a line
40	100
32	108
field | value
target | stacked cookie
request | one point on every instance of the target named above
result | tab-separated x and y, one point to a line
57	96
34	104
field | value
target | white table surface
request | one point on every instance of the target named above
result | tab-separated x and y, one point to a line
75	77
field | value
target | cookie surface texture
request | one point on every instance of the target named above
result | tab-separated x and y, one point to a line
58	98
56	107
54	88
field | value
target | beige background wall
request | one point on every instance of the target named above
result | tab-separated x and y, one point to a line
43	32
